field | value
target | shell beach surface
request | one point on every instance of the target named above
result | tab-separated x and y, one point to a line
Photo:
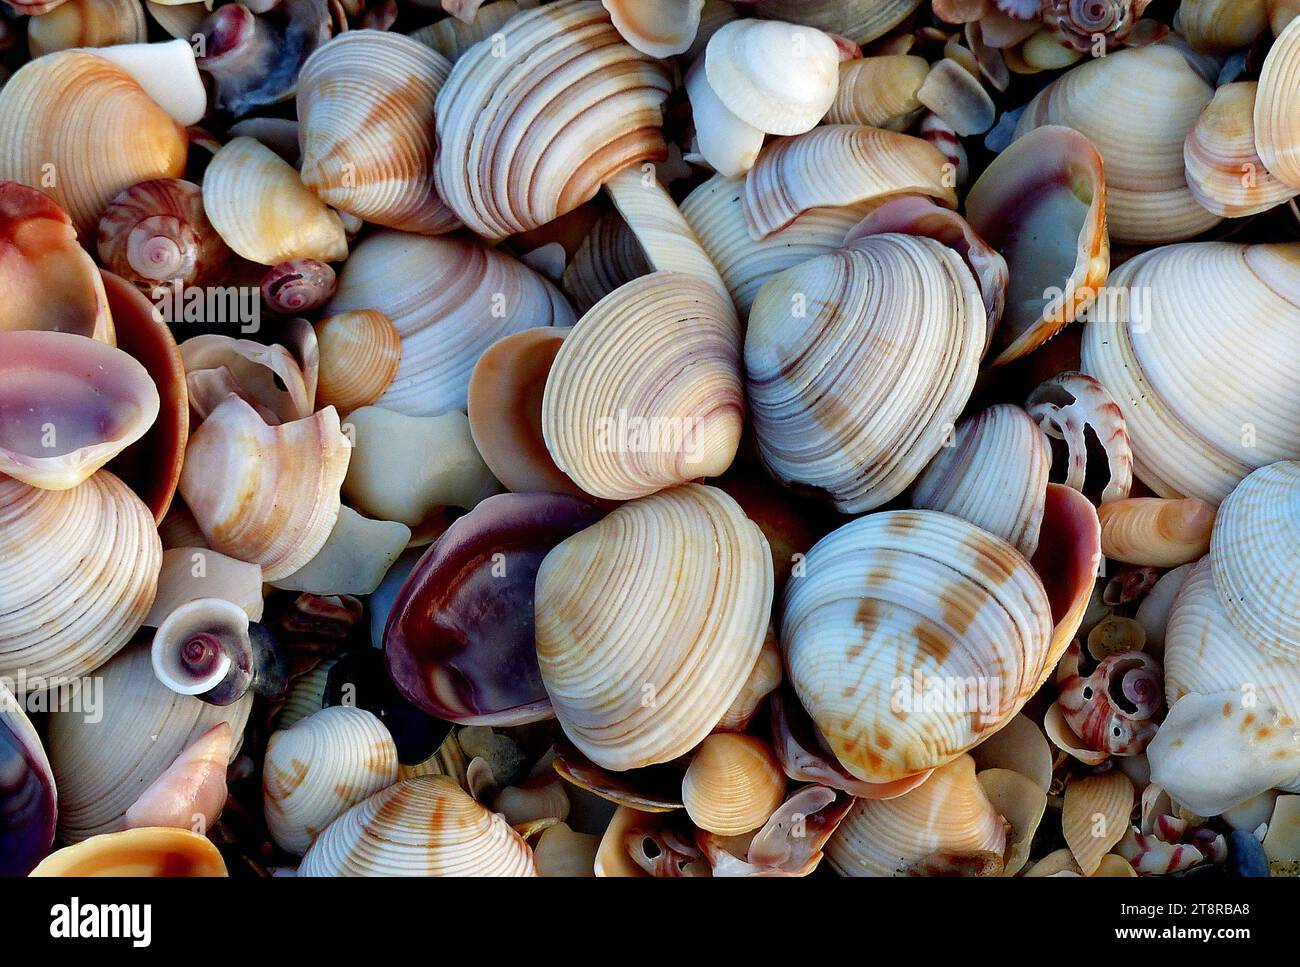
642	438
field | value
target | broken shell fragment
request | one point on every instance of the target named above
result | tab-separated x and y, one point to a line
1072	406
1113	708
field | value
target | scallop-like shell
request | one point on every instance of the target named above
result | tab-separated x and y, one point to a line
1154	531
450	299
28	798
151	851
1224	170
1150	96
424	826
87	23
646	392
840	164
533	123
70	405
879	91
156	231
890	317
99	761
642	659
360	351
948	814
262	494
320	768
1095	816
263	211
1190	308
365	122
912	636
78	571
733	784
993	474
1277	118
659	28
64	115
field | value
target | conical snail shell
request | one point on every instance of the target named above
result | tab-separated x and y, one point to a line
78	571
649	621
858	362
424	826
898	609
365	121
153	851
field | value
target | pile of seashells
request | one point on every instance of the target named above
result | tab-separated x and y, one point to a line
650	437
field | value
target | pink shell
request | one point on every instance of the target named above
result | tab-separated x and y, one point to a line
1115	708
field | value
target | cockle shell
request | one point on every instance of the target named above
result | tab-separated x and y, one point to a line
262	210
69	404
156	231
28	798
532	124
634	683
263	494
365	122
87	23
1095	816
1224	170
65	113
360	352
1276	117
890	317
733	784
1187	309
1154	531
993	473
645	392
424	826
660	28
879	91
1115	707
320	768
948	814
450	299
78	571
148	851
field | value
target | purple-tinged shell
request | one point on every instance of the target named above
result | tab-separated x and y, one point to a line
459	641
27	796
1080	22
1116	706
298	286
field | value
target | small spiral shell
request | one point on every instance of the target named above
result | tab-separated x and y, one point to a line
156	231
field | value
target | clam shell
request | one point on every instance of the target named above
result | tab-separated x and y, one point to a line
1095	816
28	798
262	210
87	23
646	392
263	494
862	21
608	256
733	784
320	768
68	110
365	122
947	814
360	352
764	678
659	28
78	571
879	91
1220	26
452	37
1021	803
425	826
145	852
649	621
1154	531
1276	115
1224	171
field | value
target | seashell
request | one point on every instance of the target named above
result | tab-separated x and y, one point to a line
70	405
191	792
40	254
452	37
932	581
632	693
1220	26
190	573
1154	531
28	797
957	96
1060	171
1021	804
306	696
320	768
156	231
1224	171
298	286
790	842
940	134
949	813
764	678
734	783
574	126
86	23
1184	444
839	164
817	416
392	476
536	800
1282	842
79	571
423	826
714	213
459	641
1067	407
1110	101
168	74
354	558
879	92
207	647
1057	863
562	852
653	789
608	256
1095	816
268	495
1063	737
1114	707
637	844
790	524
1084	25
994	474
621	427
68	109
182	20
450	299
1114	635
1280	14
99	762
1153	613
1275	115
261	209
150	851
860	20
1019	746
359	351
365	116
726	143
655	27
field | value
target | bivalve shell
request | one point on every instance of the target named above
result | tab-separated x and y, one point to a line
151	851
733	784
1155	532
1224	169
1095	816
360	352
1277	116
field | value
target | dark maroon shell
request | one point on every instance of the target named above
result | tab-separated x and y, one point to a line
459	642
27	798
